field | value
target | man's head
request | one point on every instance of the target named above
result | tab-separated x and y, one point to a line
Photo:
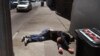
59	39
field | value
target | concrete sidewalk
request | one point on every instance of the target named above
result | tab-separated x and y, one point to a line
43	18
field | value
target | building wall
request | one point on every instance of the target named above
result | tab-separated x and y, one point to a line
64	7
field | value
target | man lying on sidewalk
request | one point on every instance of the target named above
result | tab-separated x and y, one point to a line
60	37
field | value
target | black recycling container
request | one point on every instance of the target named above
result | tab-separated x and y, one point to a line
88	42
42	2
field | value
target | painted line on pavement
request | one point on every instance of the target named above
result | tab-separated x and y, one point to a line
15	35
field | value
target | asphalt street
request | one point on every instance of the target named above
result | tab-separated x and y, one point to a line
19	18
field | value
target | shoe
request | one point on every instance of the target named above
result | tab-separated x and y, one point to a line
23	39
60	50
26	41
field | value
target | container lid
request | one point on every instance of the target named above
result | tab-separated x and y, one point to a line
91	36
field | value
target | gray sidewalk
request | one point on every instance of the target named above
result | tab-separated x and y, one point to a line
42	18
